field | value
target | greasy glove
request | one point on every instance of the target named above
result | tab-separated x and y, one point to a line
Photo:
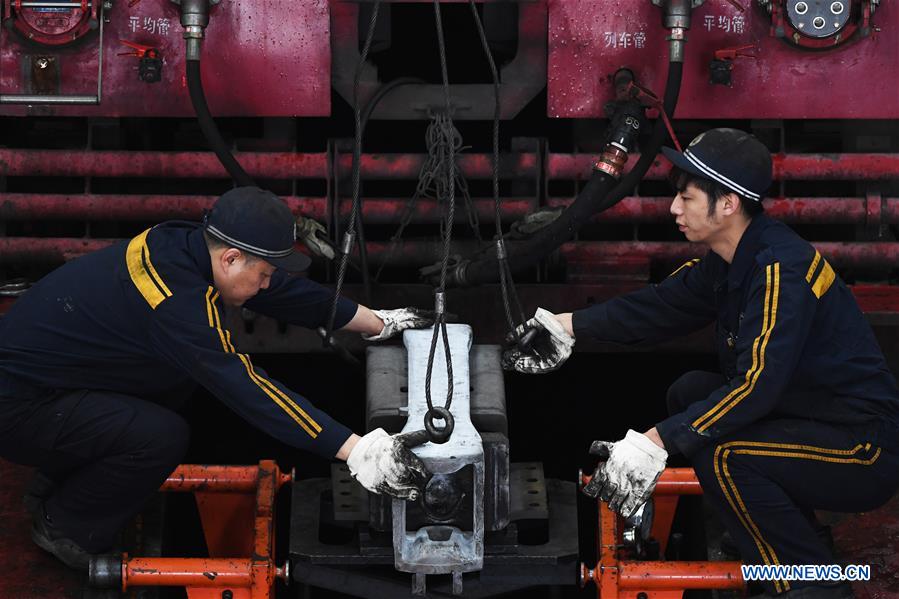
549	350
383	464
627	479
397	321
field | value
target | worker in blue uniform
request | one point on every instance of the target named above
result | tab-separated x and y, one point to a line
804	414
97	356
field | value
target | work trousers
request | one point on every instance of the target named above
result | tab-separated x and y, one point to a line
106	454
766	480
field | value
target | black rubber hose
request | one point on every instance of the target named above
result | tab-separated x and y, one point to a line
209	128
367	111
659	136
599	194
383	91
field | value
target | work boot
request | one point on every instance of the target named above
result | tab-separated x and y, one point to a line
39	490
48	538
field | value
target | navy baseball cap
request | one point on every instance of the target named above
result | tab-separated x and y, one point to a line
733	158
259	223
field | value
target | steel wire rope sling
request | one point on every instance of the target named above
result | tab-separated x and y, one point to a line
444	138
430	170
349	236
507	284
435	434
430	186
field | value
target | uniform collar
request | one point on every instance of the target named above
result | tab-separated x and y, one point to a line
747	249
200	253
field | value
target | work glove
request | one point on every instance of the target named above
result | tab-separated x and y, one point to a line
548	351
383	464
397	321
626	480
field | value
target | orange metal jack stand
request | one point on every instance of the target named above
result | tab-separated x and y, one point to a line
237	507
616	578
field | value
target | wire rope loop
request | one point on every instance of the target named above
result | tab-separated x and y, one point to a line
439	434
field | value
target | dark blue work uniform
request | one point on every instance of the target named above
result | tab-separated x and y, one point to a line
805	414
95	356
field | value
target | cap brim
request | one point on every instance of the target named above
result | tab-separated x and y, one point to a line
681	162
295	262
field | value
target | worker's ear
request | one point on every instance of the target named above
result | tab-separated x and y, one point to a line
729	204
230	258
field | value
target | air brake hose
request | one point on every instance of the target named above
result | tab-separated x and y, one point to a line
659	135
599	194
209	128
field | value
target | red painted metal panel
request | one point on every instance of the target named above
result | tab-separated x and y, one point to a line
384	166
879	255
260	58
589	41
91	207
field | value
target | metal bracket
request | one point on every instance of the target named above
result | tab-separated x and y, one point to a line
58	100
521	79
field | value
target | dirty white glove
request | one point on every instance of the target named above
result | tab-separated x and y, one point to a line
383	464
397	321
626	480
548	351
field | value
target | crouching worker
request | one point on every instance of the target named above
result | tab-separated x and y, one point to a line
95	358
804	414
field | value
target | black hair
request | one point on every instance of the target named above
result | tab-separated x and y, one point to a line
680	178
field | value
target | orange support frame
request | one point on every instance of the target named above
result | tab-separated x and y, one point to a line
617	578
237	508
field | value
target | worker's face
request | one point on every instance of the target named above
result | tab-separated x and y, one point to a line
237	278
691	214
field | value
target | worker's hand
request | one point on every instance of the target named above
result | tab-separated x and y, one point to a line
383	464
548	351
397	321
626	480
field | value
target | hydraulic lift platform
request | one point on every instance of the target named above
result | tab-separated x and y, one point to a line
30	573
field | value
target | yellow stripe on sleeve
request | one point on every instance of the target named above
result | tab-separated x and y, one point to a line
143	274
735	396
814	265
209	292
775	295
213	314
824	280
687	264
153	274
269	388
